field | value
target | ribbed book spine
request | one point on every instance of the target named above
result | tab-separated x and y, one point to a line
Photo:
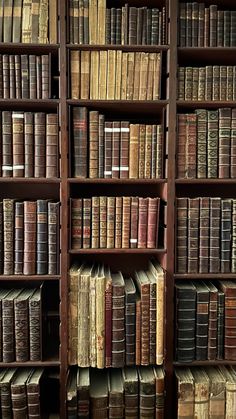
226	228
39	144
204	213
214	251
52	154
42	237
53	237
18	143
193	238
182	235
201	143
212	141
8	234
224	142
79	168
30	223
19	238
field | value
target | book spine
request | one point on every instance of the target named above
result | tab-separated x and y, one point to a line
233	256
25	76
7	158
32	77
204	235
132	37
95	222
19	238
93	144
35	329
39	76
118	326
108	323
76	223
116	141
152	222
213	27
188	24
8	234
118	222
154	152
191	132
148	152
30	223
53	237
225	242
182	235
42	237
226	28
103	222
8	352
142	223
6	76
101	123
201	15
206	27
214	250
224	142
202	321
18	143
212	331
138	333
126	222
193	238
110	222
212	141
201	143
12	77
141	158
21	330
182	24
153	325
129	332
220	325
124	149
181	145
1	239
108	150
33	398
39	144
19	400
80	135
51	146
134	223
194	22
133	151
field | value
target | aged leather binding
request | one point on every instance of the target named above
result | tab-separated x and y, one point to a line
30	224
204	212
33	393
52	152
126	222
42	237
19	238
95	222
8	231
108	318
76	223
182	234
185	386
215	219
193	238
116	389
8	327
79	168
53	237
130	300
18	143
212	330
110	222
5	386
93	144
35	325
202	320
118	320
39	144
147	392
225	242
18	392
83	385
142	223
143	284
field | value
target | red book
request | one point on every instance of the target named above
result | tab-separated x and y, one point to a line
142	223
153	222
134	223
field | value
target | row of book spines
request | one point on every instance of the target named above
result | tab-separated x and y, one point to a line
207	83
114	222
29	234
25	76
126	340
204	330
206	145
201	26
20	325
206	237
117	149
120	392
20	392
29	144
123	26
29	22
115	75
199	388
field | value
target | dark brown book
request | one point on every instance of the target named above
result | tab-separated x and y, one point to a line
131	391
204	234
18	392
201	143
108	150
5	386
212	326
191	133
12	76
103	222
98	393
153	222
118	320
42	237
201	16
124	149
116	142
25	76
126	222
1	75
83	386
181	146
202	320
76	223
35	20
93	144
224	142
29	144
118	222
142	223
87	223
18	143
182	24
18	76
116	390
233	145
212	141
8	327
195	14
130	321
214	249
6	76
19	238
160	392
39	144
213	25
95	223
7	148
110	222
52	152
229	290
193	237
45	77
53	237
188	24
153	317
147	392
226	28
79	142
132	37
1	239
225	232
182	234
143	285
113	25
39	76
30	224
101	122
32	78
134	222
138	330
35	325
3	294
33	393
8	236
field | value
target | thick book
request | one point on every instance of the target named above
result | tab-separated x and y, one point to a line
53	237
8	234
147	392
193	235
116	390
5	392
30	225
19	238
217	392
185	389
8	326
35	325
160	391
118	320
212	326
19	392
182	235
204	234
102	277
99	394
201	392
33	393
71	395
225	233
142	282
83	386
130	321
80	133
229	289
131	392
202	320
214	249
42	237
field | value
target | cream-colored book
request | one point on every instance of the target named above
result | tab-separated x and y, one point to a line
137	61
100	316
92	317
157	77
85	74
101	30
118	75
130	76
143	76
217	393
94	75
111	74
230	404
43	22
53	13
102	85
201	393
150	80
185	386
124	73
75	74
93	21
27	21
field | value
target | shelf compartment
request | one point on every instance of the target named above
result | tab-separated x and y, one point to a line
131	48
205	277
29	104
139	107
29	180
117	251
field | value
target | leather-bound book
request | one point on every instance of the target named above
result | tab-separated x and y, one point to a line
153	222
182	24
142	223
226	227
130	76
83	316
118	74
19	238
143	285
113	26
124	149
53	237
1	239
71	395
232	28
155	27
1	74
201	13
108	27
201	143
75	21
84	74
146	22
86	22
93	144
139	25
204	233
42	237
153	317
25	76
18	143
101	122
118	320
39	144
224	142
19	393
154	151
202	320
214	249
201	83
191	133
124	72
92	317
160	391
148	152
118	222
229	289
124	24
21	321
35	325
116	141
141	157
188	83
95	222
182	235
80	139
43	21
75	74
143	76
233	238
220	28
103	222
116	396
206	27
108	150
188	24
76	223
195	14
32	78
138	330
111	74
217	392
213	25
30	226
35	20
33	393
94	75
229	375
12	77
102	88
181	146
73	278
134	222
181	83
108	318
223	82
8	326
136	75
214	84
83	386
212	330
99	394
195	85
7	20
39	76
185	321
45	77
147	392
52	154
226	28
3	294
132	36
230	82
87	223
125	243
5	392
130	322
193	235
102	276
8	236
201	392
6	76
147	38
131	392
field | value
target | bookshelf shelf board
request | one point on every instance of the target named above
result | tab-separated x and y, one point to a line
207	54
205	276
204	363
48	363
28	48
29	277
29	104
131	48
118	181
202	104
205	181
29	180
117	251
147	107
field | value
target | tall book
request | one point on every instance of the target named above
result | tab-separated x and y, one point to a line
19	393
83	386
118	320
33	393
131	391
202	320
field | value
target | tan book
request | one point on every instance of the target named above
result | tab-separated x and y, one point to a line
124	75
111	74
217	393
118	75
35	20
27	22
201	393
150	80
229	375
137	62
7	20
102	85
157	78
83	316
134	151
84	74
43	21
143	76
93	21
92	317
148	152
100	317
75	74
94	75
142	137
185	386
101	30
53	15
17	18
130	76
